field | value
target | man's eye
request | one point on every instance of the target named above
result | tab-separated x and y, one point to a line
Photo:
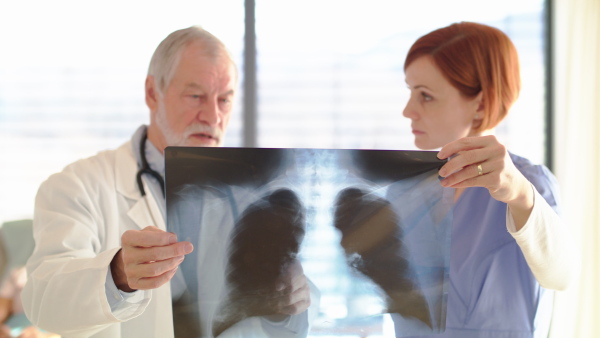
225	100
196	96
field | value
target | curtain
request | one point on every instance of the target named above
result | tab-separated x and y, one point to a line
577	153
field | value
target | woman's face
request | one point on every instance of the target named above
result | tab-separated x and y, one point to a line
438	111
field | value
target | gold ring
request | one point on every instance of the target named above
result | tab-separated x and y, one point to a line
479	170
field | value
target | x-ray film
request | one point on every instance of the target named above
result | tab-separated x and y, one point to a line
369	229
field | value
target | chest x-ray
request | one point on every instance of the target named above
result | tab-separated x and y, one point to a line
370	230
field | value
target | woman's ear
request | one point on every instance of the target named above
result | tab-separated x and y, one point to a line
479	111
479	103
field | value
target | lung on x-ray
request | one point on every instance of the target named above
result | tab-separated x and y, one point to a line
363	235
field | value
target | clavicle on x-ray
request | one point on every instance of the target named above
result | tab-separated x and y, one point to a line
369	229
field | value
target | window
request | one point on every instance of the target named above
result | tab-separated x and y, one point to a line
330	74
72	80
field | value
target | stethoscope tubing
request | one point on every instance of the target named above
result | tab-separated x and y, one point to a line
145	169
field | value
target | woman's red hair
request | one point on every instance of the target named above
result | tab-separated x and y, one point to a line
474	58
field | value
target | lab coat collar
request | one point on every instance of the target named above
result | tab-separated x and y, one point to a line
144	211
125	171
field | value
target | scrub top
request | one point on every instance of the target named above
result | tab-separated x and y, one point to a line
492	291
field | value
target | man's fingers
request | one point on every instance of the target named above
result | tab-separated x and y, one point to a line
296	302
292	278
148	283
140	255
150	257
293	290
148	237
296	308
300	294
153	269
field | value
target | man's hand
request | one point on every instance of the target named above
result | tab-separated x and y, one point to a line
292	295
148	259
289	295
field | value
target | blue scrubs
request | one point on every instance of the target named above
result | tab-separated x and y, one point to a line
492	292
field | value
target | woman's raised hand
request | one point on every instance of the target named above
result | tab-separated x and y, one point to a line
482	161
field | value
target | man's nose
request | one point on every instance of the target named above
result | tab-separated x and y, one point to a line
210	113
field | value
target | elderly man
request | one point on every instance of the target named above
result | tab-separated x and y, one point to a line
103	261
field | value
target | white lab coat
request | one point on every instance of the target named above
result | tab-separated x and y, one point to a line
80	215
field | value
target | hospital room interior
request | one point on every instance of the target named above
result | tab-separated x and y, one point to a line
325	74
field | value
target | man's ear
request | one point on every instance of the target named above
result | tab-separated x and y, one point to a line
151	93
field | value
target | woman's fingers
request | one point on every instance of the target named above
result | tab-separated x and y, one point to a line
470	176
463	160
464	144
483	162
478	161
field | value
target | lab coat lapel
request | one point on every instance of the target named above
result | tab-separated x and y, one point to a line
144	211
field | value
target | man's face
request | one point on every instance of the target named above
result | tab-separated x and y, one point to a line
195	108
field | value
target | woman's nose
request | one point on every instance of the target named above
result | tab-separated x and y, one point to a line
409	111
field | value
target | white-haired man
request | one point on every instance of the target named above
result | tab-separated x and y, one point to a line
103	261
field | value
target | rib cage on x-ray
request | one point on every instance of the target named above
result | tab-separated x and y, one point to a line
373	241
255	261
250	212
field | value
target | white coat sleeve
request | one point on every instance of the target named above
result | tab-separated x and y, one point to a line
65	291
545	240
123	304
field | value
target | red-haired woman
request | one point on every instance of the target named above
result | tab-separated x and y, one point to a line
509	247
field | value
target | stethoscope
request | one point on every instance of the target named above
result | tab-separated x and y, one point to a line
145	169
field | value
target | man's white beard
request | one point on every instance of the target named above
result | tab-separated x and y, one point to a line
173	138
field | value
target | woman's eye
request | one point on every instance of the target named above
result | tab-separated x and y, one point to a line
426	97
